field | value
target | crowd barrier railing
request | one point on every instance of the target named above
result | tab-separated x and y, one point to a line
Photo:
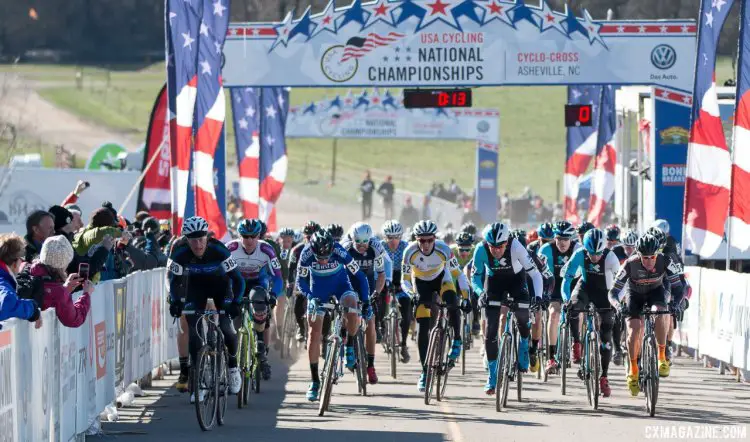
55	380
717	323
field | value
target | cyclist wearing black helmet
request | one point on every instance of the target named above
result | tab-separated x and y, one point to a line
299	304
470	228
463	250
324	270
613	242
643	277
336	231
546	234
582	229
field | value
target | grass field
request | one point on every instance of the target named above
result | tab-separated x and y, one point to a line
532	133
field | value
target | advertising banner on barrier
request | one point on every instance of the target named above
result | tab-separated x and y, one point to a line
9	384
687	333
372	114
486	184
459	43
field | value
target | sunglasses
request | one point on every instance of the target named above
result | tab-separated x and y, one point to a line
250	236
596	254
322	257
648	257
393	237
426	240
462	250
361	241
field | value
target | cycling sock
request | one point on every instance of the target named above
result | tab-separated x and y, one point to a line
370	360
350	341
184	367
314	372
534	345
552	351
634	366
662	353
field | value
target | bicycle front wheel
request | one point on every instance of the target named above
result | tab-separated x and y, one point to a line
504	367
222	385
433	360
564	357
394	344
243	365
204	384
544	347
465	339
595	364
651	374
327	381
445	364
359	347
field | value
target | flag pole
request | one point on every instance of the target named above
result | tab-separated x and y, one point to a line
140	178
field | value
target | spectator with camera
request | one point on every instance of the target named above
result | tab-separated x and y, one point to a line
11	260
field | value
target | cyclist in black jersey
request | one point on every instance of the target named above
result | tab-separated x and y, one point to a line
613	242
200	268
300	303
546	234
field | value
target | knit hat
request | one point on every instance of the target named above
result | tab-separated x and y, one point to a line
57	252
74	208
102	217
63	217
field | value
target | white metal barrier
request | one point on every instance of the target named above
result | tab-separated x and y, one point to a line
717	324
55	380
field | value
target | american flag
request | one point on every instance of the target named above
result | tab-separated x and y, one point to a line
210	110
259	125
580	146
182	27
357	47
739	202
603	186
708	178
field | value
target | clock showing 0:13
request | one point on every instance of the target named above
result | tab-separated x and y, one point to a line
436	98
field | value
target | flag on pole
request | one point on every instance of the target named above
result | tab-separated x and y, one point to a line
739	201
708	169
210	111
580	146
246	119
273	160
154	193
606	157
182	23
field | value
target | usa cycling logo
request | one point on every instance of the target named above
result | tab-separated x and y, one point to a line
663	56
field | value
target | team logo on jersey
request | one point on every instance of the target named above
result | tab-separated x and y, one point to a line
595	268
562	260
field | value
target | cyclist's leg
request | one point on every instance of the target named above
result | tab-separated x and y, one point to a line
349	299
315	321
607	321
555	307
579	299
300	305
449	297
184	354
380	308
405	307
521	295
634	303
492	315
423	315
194	342
536	329
658	300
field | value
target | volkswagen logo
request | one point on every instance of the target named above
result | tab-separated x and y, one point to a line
663	56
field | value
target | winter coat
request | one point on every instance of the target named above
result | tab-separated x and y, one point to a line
71	314
10	305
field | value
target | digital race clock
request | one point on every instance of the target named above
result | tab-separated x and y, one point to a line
436	98
578	115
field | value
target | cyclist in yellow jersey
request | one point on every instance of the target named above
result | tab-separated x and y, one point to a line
429	267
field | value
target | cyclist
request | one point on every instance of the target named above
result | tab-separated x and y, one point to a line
287	244
546	234
336	231
557	254
324	267
582	229
644	276
629	241
429	267
372	259
449	237
598	266
613	242
200	268
548	285
395	247
471	229
505	262
299	304
463	250
257	260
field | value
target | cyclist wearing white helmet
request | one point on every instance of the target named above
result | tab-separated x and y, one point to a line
393	231
629	241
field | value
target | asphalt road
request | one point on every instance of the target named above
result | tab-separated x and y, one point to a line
692	400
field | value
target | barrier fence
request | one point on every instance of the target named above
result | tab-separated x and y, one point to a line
717	324
55	380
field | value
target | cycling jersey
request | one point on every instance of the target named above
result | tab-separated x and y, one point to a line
594	276
640	280
376	249
294	256
534	246
548	279
461	261
619	251
252	266
438	263
207	276
369	262
397	257
672	251
320	281
514	261
556	261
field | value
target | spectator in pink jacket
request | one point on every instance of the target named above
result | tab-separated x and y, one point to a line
54	258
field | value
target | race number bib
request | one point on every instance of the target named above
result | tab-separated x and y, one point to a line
379	262
174	268
353	267
453	263
674	267
405	268
275	264
229	264
304	272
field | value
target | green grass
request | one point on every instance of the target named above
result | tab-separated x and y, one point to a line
29	145
532	134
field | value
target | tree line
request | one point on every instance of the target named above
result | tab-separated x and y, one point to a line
127	31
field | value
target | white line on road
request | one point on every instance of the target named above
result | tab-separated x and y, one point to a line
453	428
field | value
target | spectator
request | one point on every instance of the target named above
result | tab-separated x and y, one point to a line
386	190
72	198
409	214
367	188
40	225
426	209
101	232
64	226
77	223
151	246
11	260
54	258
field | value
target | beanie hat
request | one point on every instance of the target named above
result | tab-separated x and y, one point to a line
108	205
63	217
102	218
57	252
74	208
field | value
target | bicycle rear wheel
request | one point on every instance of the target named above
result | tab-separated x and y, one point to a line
564	357
433	359
393	344
595	369
359	348
651	367
222	385
504	367
516	371
204	380
445	364
327	381
244	366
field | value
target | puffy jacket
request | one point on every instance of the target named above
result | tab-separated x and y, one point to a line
10	305
86	242
152	248
71	314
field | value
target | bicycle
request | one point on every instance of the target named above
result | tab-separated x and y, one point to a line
210	372
541	351
248	362
438	363
466	338
590	367
562	355
391	332
507	367
333	366
648	373
289	328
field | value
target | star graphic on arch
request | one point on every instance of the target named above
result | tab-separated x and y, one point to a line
498	10
469	9
310	109
355	13
283	30
572	24
380	11
304	26
326	20
409	9
437	13
523	12
592	29
550	19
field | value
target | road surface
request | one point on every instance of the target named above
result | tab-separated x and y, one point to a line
690	399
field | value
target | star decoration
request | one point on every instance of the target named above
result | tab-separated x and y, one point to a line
336	102
718	4
172	15
281	101
205	67
469	9
362	101
437	13
204	29
270	140
243	124
572	24
389	100
310	109
304	26
550	20
409	9
523	12
355	13
326	20
497	10
621	29
187	40
217	47
709	19
250	111
592	29
219	8
380	11
663	28
283	30
270	112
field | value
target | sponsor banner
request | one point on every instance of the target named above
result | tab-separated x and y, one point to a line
9	383
153	193
120	289
486	183
374	115
455	42
687	332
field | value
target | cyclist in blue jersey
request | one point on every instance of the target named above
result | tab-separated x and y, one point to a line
327	265
393	231
200	268
597	266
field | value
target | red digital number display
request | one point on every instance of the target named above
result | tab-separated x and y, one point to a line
578	115
436	98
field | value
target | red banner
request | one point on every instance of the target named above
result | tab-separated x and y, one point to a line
154	196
